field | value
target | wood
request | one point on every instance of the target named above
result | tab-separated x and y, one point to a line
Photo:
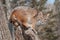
4	30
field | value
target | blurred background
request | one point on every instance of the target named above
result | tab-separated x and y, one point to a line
48	30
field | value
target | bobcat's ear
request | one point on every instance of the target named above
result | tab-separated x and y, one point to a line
40	15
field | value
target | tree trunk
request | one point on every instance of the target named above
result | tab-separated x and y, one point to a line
4	30
18	33
8	6
32	35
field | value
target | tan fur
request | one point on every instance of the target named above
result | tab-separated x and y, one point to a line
26	16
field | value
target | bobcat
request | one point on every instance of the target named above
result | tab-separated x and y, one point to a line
26	16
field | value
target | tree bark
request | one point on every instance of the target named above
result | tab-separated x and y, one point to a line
21	34
4	30
32	35
8	6
18	34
